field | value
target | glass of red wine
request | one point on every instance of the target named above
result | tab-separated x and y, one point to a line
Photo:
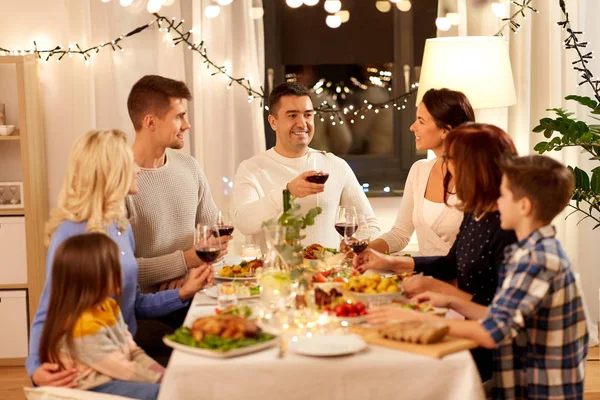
224	223
317	161
346	222
207	244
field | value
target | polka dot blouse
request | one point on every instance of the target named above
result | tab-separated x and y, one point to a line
475	258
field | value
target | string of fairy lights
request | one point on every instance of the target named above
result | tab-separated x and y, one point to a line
511	21
573	42
175	33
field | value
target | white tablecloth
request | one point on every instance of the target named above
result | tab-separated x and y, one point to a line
376	373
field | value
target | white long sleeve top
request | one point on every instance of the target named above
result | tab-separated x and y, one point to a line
257	196
435	239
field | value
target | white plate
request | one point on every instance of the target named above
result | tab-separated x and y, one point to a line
212	292
230	260
328	345
221	354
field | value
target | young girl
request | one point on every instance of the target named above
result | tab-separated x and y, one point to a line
101	173
85	329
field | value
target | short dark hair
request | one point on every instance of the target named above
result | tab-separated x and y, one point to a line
545	182
152	94
476	151
448	107
285	89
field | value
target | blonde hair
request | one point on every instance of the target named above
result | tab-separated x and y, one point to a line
98	179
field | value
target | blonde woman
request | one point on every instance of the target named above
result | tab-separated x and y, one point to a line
101	172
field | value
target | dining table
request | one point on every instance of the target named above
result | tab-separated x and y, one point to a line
373	373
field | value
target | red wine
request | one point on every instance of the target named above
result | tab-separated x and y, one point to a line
345	229
224	230
359	246
319	178
208	254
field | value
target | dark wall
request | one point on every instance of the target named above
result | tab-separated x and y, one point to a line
366	38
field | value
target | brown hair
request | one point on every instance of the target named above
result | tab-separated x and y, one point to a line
476	151
152	94
85	271
285	89
448	108
545	182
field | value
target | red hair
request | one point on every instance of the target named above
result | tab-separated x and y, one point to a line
476	151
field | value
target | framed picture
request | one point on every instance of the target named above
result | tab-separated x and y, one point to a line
11	195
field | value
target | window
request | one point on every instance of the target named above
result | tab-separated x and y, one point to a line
374	57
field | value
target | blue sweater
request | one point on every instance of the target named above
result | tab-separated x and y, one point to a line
134	304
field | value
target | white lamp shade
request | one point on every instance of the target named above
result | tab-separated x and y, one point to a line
478	66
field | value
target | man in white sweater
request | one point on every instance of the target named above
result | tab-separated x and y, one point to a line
259	181
173	191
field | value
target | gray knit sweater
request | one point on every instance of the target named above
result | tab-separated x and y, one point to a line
170	202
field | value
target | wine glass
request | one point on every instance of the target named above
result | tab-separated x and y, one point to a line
346	222
207	243
224	223
317	161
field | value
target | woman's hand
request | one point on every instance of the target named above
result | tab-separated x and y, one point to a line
197	279
435	299
390	313
51	375
371	259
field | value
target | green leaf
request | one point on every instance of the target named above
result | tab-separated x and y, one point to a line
541	147
583	100
595	181
582	180
548	133
539	128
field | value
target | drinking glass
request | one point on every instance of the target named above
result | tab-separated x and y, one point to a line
346	222
224	223
318	161
207	244
226	295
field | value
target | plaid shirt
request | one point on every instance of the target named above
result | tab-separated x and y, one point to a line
537	322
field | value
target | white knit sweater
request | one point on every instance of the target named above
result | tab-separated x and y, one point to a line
170	201
435	239
257	196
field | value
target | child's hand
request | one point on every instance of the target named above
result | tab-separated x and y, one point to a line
51	375
435	299
197	280
394	313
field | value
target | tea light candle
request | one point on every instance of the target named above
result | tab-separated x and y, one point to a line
250	252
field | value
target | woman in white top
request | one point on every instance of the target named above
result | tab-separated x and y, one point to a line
423	208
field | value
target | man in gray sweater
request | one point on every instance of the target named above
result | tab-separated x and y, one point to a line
173	191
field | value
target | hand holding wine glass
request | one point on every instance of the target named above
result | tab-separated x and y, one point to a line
207	242
361	238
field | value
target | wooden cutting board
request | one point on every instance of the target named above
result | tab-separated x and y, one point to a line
436	350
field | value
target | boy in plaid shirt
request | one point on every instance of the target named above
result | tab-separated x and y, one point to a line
536	322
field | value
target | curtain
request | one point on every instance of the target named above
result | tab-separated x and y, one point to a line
543	76
76	97
227	128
